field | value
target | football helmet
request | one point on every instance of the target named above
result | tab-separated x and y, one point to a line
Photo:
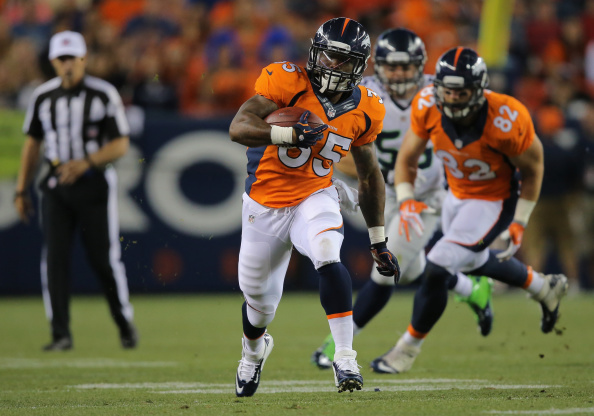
338	55
456	69
399	47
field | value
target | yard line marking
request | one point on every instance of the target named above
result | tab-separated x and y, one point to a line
198	385
312	386
551	411
21	363
328	387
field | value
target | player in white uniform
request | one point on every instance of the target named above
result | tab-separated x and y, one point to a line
399	60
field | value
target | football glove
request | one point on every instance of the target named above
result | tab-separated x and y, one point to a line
387	264
514	234
410	217
308	136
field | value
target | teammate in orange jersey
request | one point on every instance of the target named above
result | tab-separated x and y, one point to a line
289	198
485	140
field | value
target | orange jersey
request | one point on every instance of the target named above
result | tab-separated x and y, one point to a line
280	176
477	163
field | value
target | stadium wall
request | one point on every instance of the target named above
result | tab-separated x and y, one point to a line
180	190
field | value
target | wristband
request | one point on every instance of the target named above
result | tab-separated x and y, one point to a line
523	210
281	135
404	191
377	234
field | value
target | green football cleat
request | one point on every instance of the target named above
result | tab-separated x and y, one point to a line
323	356
480	302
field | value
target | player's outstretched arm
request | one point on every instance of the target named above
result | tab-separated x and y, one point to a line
407	160
248	126
531	166
405	173
372	199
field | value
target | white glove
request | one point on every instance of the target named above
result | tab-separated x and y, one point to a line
513	235
348	197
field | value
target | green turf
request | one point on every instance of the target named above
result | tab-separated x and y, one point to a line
11	142
190	346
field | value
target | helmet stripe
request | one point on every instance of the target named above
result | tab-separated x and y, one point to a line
458	52
346	22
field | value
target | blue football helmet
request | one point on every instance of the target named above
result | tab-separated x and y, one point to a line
338	56
460	68
399	47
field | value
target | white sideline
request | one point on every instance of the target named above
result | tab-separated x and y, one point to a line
575	410
314	386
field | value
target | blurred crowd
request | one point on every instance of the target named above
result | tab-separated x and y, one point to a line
200	58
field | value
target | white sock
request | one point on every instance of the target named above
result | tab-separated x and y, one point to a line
536	284
356	329
410	340
253	346
464	285
342	332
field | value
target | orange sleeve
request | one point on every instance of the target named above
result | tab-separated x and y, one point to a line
374	109
522	133
279	82
418	116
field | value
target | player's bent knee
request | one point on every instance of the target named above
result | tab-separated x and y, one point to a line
261	309
454	257
325	248
258	318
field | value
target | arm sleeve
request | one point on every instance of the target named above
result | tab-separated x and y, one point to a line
116	123
281	82
522	132
418	115
32	124
373	113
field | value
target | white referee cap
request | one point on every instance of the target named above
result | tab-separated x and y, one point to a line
67	43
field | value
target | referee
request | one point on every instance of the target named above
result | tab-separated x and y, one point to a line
81	121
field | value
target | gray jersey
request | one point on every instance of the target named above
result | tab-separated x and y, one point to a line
396	122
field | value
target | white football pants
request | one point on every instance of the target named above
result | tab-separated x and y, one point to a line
314	227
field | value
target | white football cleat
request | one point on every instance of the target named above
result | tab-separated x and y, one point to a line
346	371
248	374
549	297
398	360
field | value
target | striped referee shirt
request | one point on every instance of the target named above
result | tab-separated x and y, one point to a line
75	122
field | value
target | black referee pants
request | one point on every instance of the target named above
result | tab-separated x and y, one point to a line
83	206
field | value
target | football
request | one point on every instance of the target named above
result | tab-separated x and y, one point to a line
289	116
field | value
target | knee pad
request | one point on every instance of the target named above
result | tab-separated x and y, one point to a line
454	257
325	248
258	318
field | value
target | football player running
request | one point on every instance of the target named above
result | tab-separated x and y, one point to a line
289	199
487	143
399	60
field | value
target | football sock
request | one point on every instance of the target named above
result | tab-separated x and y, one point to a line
534	283
512	271
342	332
336	297
371	299
431	298
452	281
253	336
356	329
464	285
411	339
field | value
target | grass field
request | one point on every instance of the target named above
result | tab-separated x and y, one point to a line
190	346
11	142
